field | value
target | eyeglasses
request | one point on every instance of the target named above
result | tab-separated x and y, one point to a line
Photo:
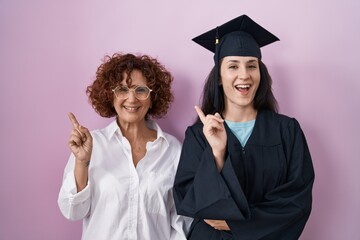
140	92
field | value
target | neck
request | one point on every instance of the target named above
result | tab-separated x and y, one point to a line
134	131
138	135
240	114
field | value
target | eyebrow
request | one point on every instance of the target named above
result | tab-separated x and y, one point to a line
237	61
132	86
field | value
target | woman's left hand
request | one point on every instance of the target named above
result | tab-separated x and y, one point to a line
218	224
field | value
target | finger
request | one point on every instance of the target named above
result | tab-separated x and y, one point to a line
214	118
218	116
76	125
200	114
210	222
207	222
74	141
217	224
213	121
73	120
86	133
81	134
77	132
213	128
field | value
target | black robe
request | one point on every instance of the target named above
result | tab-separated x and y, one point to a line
264	190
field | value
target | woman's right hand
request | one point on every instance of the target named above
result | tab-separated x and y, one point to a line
215	134
80	142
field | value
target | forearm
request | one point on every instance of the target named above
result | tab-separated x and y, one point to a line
81	172
73	205
200	194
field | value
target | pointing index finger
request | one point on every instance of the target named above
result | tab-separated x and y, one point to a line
73	120
200	114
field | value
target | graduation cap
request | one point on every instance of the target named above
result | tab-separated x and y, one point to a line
240	36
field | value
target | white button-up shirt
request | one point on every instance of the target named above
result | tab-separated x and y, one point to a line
121	201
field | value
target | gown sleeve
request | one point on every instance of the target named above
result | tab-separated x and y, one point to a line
200	191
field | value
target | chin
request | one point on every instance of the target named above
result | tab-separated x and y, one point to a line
133	119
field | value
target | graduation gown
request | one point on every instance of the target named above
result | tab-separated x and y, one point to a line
264	190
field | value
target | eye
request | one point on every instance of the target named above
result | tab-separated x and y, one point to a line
141	90
253	66
233	67
123	89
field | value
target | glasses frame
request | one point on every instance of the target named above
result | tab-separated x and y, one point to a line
131	90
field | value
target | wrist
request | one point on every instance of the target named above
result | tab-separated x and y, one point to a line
219	155
82	163
219	159
81	174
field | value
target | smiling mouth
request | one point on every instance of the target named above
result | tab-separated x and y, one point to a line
131	109
243	87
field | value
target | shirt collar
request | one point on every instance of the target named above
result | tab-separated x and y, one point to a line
112	128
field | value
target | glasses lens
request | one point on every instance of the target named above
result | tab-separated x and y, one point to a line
142	93
122	91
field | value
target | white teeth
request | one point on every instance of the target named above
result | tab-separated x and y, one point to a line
242	86
131	108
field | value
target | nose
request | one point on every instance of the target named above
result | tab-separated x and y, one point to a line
132	96
243	73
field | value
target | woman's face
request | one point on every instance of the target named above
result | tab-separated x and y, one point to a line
240	77
131	109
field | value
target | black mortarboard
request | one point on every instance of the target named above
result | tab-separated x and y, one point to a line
238	37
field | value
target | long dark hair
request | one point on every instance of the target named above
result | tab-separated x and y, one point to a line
264	97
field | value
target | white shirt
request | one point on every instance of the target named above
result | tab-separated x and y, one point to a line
121	201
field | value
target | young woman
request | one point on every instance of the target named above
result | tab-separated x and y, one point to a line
245	171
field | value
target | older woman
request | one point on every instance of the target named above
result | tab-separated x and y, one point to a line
119	179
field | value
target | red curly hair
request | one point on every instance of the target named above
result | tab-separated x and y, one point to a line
111	72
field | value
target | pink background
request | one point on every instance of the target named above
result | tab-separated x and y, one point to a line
49	53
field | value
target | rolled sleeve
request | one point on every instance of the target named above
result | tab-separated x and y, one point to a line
74	205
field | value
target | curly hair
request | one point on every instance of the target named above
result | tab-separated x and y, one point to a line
111	72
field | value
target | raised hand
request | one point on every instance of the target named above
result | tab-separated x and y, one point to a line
215	134
80	141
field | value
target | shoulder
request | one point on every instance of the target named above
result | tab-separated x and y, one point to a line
267	114
106	132
271	128
194	135
195	128
277	118
172	140
289	127
288	122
